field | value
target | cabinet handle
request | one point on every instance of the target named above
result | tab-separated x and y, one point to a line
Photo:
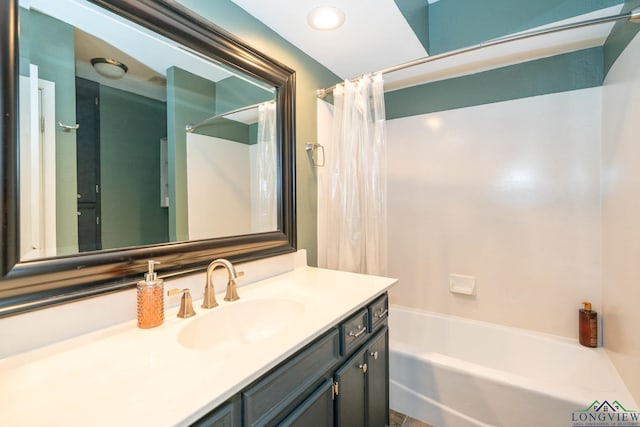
361	330
364	368
374	354
383	312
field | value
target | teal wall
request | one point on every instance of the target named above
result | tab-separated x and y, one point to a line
131	127
571	71
24	42
621	34
416	13
310	75
235	93
49	44
227	129
454	24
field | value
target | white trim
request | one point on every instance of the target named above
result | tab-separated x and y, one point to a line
37	167
47	92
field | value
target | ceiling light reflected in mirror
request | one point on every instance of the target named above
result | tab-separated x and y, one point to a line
109	68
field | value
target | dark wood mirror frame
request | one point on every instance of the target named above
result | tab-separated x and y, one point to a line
32	285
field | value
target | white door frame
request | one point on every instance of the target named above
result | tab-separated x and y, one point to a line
37	167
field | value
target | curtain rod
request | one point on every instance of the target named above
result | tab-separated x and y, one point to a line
633	16
190	128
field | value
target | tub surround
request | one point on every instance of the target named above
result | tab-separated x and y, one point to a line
620	212
517	182
126	375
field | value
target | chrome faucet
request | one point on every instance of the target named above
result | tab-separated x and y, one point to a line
209	293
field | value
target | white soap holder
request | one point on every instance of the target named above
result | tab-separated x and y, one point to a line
461	284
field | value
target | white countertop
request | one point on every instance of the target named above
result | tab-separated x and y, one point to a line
124	375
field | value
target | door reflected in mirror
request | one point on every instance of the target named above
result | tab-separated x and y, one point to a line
128	138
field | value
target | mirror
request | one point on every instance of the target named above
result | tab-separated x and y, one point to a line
150	149
139	130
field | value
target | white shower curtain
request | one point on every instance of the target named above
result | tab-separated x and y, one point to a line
264	214
355	212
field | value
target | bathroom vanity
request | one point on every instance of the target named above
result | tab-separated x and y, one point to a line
309	344
339	379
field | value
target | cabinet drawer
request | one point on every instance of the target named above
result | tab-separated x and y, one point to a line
353	331
378	311
291	382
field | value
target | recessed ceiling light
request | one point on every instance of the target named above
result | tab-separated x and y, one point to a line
325	18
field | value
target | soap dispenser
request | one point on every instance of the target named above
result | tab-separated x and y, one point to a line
150	299
588	326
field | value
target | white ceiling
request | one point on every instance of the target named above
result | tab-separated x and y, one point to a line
100	33
376	36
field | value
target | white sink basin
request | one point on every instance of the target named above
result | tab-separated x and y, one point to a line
238	323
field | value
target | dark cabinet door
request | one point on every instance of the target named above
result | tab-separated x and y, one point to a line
350	399
363	385
315	411
88	165
226	415
88	139
88	227
274	396
378	380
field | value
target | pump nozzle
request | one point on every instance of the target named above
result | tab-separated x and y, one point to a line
151	275
587	305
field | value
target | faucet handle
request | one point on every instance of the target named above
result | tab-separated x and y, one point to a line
232	292
186	305
209	296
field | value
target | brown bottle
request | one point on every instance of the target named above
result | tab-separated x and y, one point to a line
588	321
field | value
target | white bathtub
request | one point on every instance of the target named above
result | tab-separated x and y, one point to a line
450	371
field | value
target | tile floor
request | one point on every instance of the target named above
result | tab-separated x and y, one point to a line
396	419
